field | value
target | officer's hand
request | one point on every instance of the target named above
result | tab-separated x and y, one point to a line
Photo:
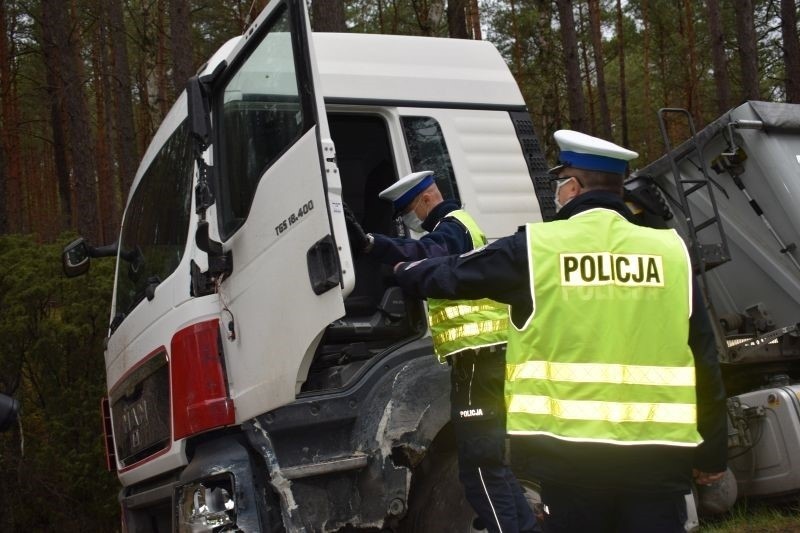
358	238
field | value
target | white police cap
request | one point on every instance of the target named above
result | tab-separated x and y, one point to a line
403	192
579	150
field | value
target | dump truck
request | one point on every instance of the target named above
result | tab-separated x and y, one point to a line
732	191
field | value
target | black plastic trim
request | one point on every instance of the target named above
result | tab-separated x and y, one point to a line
434	104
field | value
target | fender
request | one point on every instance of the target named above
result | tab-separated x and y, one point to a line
407	411
347	458
403	415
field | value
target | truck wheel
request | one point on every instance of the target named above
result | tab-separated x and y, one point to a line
437	502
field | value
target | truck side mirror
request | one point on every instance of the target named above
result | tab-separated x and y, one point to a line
8	411
75	258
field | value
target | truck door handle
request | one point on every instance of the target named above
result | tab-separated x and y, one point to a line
323	265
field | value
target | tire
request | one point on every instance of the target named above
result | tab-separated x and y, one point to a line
437	503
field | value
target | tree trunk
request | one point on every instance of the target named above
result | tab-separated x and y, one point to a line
3	190
623	91
549	109
145	118
163	94
722	81
328	15
9	139
395	17
106	182
661	46
516	52
53	26
692	93
746	36
124	132
422	14
180	43
648	103
457	19
587	68
5	96
475	20
381	27
599	65
79	133
791	50
577	112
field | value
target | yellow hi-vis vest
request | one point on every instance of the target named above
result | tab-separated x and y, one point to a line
458	325
604	356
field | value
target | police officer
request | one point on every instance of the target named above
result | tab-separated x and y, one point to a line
470	335
613	381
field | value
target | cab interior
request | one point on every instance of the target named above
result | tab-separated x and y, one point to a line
378	315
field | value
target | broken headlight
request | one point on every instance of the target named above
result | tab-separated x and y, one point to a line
207	505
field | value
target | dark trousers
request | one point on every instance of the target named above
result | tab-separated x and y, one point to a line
478	416
573	509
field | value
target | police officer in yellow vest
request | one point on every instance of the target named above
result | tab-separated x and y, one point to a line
471	336
613	383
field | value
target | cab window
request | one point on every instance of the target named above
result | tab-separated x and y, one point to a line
261	117
428	151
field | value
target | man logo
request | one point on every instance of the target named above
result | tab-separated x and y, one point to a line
604	268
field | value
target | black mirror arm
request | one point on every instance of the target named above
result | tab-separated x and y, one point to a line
109	250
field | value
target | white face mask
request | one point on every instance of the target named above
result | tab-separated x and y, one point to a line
559	205
412	221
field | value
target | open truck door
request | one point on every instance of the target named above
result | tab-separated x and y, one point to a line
274	227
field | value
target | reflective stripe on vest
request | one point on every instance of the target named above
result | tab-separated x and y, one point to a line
604	411
604	373
471	330
604	357
458	325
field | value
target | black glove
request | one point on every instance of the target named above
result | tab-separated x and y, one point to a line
359	242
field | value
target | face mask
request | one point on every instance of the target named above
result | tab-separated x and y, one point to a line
412	221
559	205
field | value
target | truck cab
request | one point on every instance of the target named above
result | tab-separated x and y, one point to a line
261	376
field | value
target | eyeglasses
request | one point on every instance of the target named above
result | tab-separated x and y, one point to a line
555	182
558	180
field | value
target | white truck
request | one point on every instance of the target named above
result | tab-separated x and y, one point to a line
259	377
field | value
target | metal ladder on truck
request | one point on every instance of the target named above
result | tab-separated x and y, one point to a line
714	251
781	343
704	256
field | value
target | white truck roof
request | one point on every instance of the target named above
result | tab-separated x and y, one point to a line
405	69
412	69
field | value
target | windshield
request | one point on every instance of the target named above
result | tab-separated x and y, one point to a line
156	223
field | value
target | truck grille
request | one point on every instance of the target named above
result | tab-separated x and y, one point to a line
140	406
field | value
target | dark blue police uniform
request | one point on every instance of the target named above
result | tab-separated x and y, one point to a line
476	383
631	479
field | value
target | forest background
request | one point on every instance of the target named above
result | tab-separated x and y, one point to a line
85	83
